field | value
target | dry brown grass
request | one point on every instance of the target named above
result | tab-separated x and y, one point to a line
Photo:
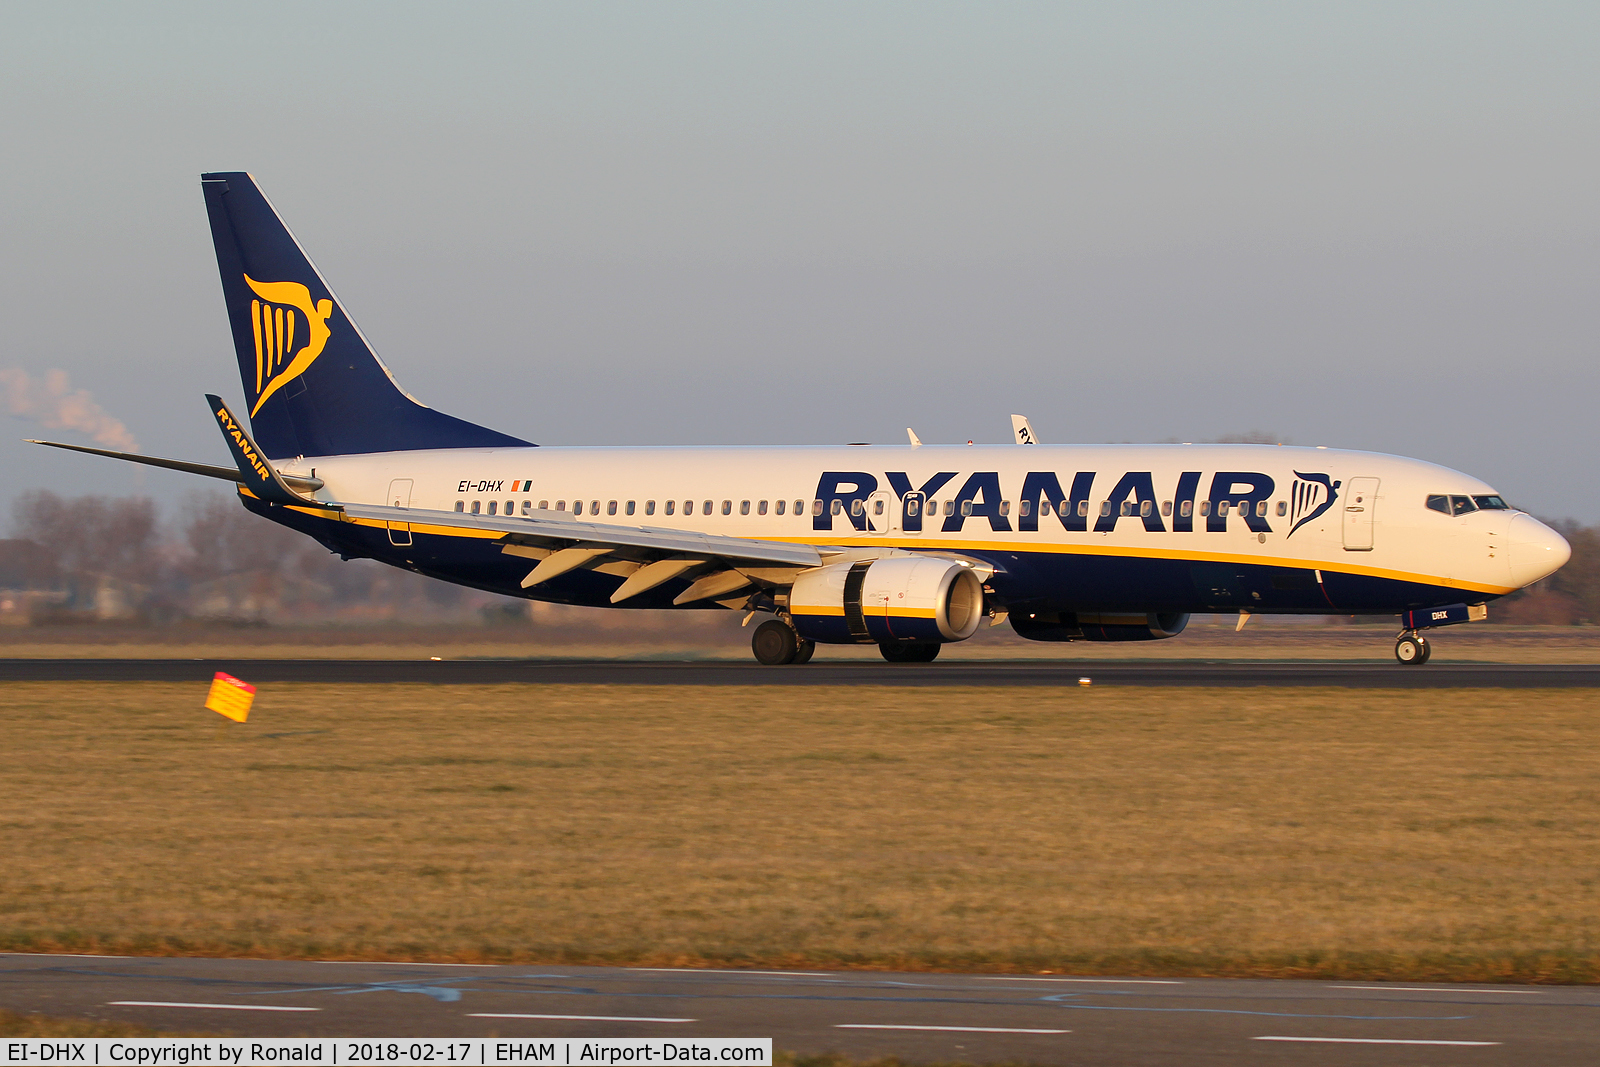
14	1024
1444	834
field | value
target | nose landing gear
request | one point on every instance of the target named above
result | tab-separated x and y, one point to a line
1412	648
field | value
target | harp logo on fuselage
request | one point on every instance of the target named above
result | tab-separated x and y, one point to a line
276	323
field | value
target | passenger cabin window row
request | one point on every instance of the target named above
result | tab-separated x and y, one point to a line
913	505
1465	505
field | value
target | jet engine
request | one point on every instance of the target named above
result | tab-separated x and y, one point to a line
1079	626
920	599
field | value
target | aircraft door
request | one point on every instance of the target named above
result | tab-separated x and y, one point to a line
882	515
399	497
912	506
1360	508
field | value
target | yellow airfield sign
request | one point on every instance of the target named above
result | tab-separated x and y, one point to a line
230	697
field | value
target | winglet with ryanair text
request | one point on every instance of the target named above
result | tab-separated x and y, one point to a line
256	472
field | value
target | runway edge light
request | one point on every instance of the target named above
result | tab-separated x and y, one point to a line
230	698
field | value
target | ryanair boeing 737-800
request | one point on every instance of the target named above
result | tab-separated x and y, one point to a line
904	547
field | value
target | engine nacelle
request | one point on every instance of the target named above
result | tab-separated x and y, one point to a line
1066	626
919	599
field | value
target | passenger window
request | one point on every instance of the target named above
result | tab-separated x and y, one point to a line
744	507
1491	503
838	506
1283	508
649	507
877	507
816	507
544	505
778	507
492	505
912	507
611	507
949	507
594	507
688	507
727	507
799	507
461	505
1462	505
761	508
561	505
511	507
1205	508
1105	508
1223	506
1127	507
933	507
475	506
1186	509
705	509
628	507
1261	509
1166	507
1024	507
856	508
577	507
966	507
671	504
1083	508
1145	508
1005	508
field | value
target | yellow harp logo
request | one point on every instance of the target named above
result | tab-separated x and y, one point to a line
274	319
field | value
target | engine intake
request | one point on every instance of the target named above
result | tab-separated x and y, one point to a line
1067	626
903	598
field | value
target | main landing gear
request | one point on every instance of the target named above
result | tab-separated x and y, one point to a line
1412	648
775	643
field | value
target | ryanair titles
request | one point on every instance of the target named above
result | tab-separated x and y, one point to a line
861	499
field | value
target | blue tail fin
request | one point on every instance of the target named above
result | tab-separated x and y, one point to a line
312	384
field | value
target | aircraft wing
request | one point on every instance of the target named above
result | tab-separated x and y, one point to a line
646	556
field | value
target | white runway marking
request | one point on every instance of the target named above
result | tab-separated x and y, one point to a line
1100	981
1372	1041
590	1018
958	1029
1426	989
732	970
226	1007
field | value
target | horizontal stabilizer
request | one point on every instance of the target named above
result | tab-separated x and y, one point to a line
256	472
208	470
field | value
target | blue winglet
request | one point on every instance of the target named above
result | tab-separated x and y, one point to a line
255	470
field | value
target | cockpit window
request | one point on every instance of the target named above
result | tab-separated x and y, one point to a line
1462	505
1492	503
1440	503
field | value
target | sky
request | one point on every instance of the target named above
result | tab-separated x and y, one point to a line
1360	225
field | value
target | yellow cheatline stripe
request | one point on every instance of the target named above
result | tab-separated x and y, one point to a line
1002	546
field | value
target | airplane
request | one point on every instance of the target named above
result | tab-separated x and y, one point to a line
908	547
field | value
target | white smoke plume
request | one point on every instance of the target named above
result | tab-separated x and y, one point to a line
53	403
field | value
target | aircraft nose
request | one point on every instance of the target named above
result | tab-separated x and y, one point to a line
1535	550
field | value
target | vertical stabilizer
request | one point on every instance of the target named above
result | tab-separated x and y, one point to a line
312	384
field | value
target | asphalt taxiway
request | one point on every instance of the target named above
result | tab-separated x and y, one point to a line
1375	675
1043	1019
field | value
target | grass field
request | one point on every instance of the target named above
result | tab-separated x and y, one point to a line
1437	835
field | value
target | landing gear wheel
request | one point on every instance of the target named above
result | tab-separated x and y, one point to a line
804	651
1412	649
775	643
901	652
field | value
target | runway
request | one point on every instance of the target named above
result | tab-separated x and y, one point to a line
1376	675
1034	1019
